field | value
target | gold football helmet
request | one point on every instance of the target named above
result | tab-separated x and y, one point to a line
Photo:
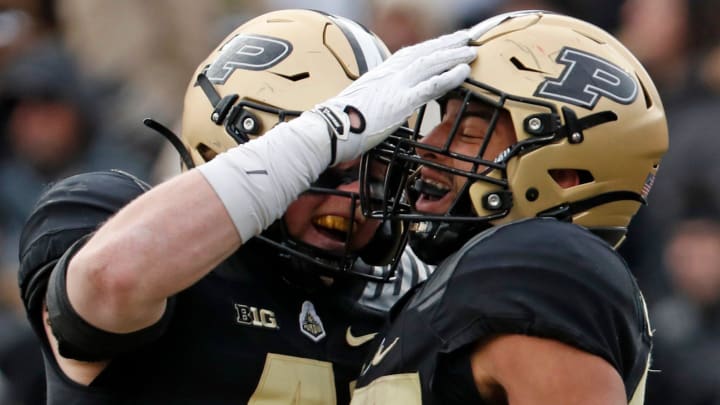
267	71
577	99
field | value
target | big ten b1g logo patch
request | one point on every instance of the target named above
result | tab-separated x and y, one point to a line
254	316
586	78
249	52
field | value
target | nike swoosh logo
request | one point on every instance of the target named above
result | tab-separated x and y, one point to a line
379	355
382	352
356	341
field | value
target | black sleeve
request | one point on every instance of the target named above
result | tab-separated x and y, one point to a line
542	278
66	211
79	340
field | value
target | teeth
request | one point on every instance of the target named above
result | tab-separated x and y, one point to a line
436	184
503	155
333	222
431	189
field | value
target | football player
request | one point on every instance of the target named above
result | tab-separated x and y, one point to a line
522	192
225	285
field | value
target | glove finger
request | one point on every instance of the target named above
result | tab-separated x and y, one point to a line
457	38
431	65
454	40
477	30
439	85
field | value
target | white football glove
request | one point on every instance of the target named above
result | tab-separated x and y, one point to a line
387	95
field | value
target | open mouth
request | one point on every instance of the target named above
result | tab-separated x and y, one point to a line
333	226
430	190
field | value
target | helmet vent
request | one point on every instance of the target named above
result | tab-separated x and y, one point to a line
206	152
648	99
520	66
590	37
294	78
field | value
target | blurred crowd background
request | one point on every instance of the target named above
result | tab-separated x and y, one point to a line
77	78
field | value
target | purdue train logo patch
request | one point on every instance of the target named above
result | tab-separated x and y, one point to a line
310	323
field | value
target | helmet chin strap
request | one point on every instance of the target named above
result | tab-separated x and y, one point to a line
302	256
438	240
263	248
565	212
310	262
433	241
173	139
613	235
442	239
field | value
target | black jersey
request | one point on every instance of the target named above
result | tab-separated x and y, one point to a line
539	277
241	334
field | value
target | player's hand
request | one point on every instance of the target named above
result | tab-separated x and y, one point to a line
383	98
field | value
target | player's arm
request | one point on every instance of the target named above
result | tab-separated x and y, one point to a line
172	236
527	370
154	247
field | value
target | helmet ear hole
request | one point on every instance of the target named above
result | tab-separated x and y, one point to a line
585	176
206	152
567	178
